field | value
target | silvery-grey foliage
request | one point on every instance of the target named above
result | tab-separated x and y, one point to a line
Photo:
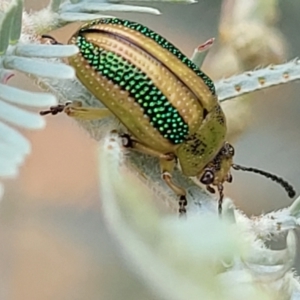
199	258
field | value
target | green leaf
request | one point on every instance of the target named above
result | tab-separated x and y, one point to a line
16	25
5	27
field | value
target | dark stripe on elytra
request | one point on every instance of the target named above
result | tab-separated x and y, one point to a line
123	39
162	114
160	41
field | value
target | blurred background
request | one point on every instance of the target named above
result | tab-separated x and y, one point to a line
54	244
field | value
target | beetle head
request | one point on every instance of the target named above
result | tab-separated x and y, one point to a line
218	171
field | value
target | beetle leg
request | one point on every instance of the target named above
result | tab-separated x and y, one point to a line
129	142
75	109
167	163
167	167
53	110
182	202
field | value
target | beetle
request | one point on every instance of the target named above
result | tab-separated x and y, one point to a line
167	104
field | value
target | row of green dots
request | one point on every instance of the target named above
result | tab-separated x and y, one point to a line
143	88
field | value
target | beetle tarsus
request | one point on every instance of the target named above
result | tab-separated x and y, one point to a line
182	206
53	110
220	201
182	201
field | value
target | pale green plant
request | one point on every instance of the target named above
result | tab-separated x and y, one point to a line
202	257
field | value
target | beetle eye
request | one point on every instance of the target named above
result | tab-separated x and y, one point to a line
208	177
231	150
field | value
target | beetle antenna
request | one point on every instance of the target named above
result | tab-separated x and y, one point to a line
289	189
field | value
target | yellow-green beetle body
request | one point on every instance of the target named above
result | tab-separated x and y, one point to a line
160	96
167	104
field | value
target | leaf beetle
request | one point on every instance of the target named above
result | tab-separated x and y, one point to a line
168	105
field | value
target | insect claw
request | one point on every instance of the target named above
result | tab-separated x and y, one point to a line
182	213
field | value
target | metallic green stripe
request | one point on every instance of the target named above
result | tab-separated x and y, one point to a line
162	114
